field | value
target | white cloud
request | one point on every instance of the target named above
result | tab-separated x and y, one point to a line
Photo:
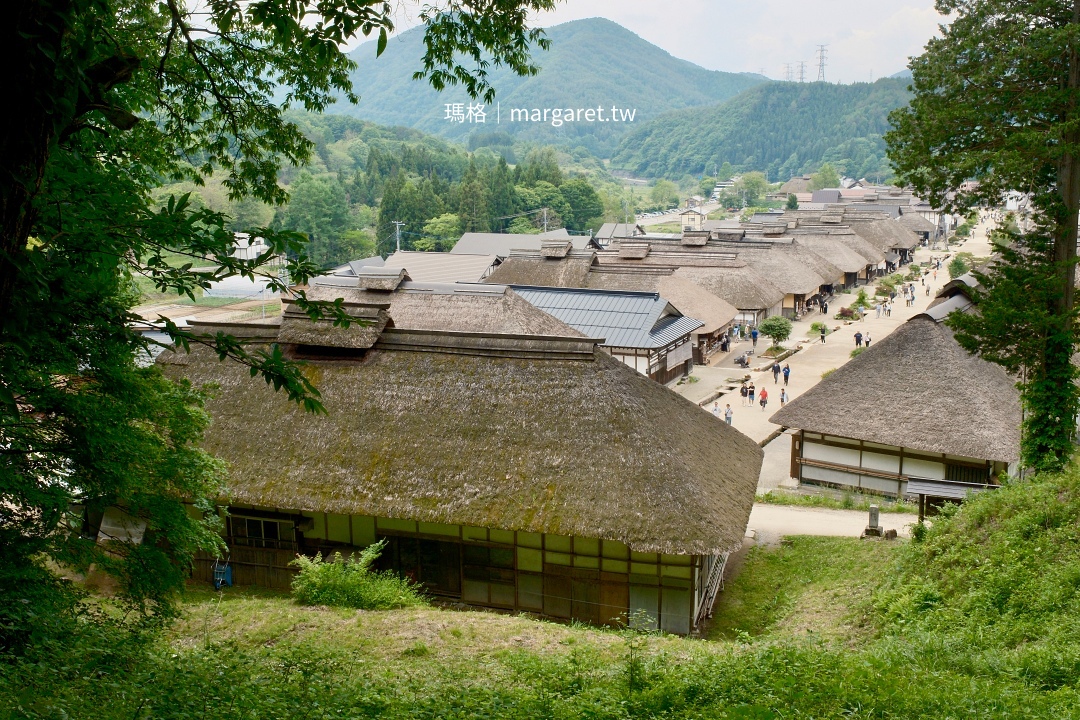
862	35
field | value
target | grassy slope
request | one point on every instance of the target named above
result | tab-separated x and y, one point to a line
821	627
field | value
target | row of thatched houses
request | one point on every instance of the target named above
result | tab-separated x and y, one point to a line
777	264
506	459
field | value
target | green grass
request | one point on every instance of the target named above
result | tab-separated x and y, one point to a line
847	501
977	618
810	586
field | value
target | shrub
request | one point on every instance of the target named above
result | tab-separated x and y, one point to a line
776	328
861	300
857	352
845	314
350	582
816	326
827	373
957	267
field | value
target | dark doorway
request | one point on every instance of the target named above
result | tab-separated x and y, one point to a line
435	564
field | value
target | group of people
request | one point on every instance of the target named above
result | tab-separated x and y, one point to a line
861	340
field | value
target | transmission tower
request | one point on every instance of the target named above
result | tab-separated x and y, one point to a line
788	72
822	53
802	71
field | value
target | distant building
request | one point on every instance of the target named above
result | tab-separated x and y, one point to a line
640	329
443	267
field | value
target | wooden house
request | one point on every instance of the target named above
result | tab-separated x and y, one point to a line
507	460
914	415
583	270
641	329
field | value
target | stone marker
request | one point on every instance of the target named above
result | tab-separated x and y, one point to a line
874	528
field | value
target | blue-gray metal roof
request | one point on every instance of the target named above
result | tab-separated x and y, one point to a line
626	319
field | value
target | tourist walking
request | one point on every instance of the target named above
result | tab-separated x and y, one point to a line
753	337
927	291
727	414
764	400
787	372
750	394
744	392
783	397
825	308
822	333
877	309
858	339
866	339
716	409
776	372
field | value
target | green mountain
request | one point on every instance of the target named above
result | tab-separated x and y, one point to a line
781	128
593	62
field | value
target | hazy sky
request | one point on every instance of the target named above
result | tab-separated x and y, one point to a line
866	38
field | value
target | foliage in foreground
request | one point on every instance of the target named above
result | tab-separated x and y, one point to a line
1001	576
981	618
350	582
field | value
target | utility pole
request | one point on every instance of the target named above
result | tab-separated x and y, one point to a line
821	55
397	232
545	219
802	71
788	74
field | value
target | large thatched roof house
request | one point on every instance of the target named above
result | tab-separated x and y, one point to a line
506	459
914	415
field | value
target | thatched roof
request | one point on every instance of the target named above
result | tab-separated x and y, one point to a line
572	443
688	297
443	267
458	307
918	389
535	269
784	269
882	231
743	287
834	250
503	244
916	222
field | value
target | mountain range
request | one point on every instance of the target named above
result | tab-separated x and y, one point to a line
591	63
781	128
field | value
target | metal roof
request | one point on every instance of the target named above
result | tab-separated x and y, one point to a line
501	244
945	488
441	267
626	319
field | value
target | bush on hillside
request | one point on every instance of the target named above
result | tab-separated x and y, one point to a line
350	582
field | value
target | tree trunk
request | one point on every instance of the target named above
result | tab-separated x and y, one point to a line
32	38
1057	367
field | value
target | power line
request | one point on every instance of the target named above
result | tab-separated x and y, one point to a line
821	55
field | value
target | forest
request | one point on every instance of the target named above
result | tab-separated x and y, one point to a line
782	129
362	177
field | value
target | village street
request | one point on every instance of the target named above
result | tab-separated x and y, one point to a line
770	522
